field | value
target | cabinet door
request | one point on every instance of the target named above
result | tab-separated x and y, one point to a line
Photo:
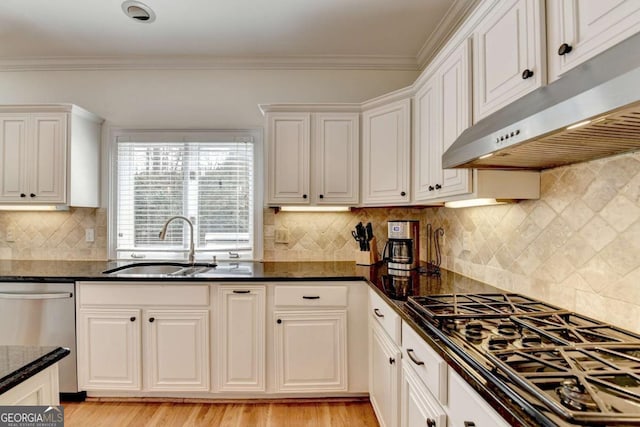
427	141
419	409
47	159
384	376
588	27
109	349
288	137
177	350
507	42
466	407
336	158
385	154
311	351
455	87
241	351
13	146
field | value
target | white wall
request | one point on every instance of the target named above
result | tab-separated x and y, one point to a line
193	98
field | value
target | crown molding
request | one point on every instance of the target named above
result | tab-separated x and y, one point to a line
302	62
458	12
311	108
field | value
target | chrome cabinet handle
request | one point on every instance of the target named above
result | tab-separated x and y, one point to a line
377	312
413	358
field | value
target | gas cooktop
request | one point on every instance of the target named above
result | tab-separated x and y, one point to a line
582	370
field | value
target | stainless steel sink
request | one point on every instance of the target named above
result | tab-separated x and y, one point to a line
160	269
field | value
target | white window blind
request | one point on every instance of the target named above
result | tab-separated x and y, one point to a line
210	183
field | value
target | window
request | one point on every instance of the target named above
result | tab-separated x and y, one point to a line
207	177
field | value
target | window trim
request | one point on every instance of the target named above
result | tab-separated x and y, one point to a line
192	135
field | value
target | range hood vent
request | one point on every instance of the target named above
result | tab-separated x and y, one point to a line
592	111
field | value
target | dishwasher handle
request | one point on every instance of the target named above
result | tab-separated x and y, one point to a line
35	296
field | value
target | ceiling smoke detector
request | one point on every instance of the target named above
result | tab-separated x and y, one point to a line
138	11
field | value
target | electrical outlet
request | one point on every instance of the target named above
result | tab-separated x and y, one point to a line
10	235
282	235
466	241
89	235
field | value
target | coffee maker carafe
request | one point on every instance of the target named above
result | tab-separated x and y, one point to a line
402	251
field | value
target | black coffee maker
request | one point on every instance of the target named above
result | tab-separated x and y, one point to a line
402	251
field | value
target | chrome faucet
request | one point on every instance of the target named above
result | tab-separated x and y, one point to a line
163	234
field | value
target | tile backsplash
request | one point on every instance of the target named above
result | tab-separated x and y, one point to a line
327	236
53	235
577	247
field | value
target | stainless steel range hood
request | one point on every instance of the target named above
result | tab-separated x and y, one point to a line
532	133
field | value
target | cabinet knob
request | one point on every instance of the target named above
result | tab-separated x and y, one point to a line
152	319
469	424
392	360
32	195
279	321
132	318
431	422
564	49
403	194
321	196
431	188
304	196
438	186
23	195
526	74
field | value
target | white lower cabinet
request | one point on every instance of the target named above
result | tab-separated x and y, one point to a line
311	350
241	341
143	337
109	349
419	408
41	389
177	350
384	376
467	408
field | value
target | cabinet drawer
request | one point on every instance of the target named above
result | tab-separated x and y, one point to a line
429	366
385	316
311	296
143	294
466	406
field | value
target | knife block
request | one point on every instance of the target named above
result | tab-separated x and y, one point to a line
368	257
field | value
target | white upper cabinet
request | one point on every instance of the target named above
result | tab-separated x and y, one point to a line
386	154
442	112
33	158
288	158
580	29
509	54
49	154
313	158
336	158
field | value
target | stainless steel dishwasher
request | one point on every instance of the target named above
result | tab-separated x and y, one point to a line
42	314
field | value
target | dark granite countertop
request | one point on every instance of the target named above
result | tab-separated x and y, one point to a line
19	363
422	284
71	271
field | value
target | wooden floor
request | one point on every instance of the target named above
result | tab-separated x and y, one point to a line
121	414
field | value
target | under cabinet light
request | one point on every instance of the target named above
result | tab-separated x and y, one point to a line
33	208
315	208
476	202
578	125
